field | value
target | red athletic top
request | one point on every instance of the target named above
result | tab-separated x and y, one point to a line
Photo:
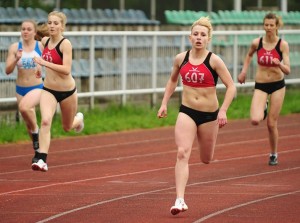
55	55
264	57
198	76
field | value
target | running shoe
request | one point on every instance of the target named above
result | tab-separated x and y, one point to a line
40	165
273	160
35	141
266	110
180	206
80	127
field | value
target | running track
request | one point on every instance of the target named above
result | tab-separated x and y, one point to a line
129	177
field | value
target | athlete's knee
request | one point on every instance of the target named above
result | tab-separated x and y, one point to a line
182	153
23	108
67	128
46	122
206	160
255	121
272	125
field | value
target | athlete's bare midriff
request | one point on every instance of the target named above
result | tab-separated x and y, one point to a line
268	74
26	78
59	82
201	99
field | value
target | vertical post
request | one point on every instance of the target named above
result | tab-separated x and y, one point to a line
181	4
237	5
284	5
209	6
153	9
154	70
16	3
89	4
259	3
92	70
124	69
235	57
122	4
57	5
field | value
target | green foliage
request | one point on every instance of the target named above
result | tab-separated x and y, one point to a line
115	118
291	102
240	107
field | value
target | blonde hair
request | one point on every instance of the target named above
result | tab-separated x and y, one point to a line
204	21
32	22
60	15
278	20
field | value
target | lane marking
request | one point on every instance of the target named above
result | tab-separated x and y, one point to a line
244	204
135	173
149	154
262	185
165	189
156	140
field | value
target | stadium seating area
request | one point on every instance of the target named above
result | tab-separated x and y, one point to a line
110	67
12	15
227	17
81	16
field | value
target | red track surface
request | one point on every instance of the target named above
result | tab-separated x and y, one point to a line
129	177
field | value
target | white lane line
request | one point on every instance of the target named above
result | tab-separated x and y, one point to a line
135	173
243	204
150	154
158	140
98	147
160	190
262	185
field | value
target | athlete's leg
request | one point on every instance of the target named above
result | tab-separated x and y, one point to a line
48	105
207	136
185	132
258	105
26	106
276	101
68	111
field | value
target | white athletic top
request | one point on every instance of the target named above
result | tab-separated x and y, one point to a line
26	61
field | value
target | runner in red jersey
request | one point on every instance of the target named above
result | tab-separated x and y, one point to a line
199	114
272	64
59	86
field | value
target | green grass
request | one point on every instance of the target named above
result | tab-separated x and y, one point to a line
117	118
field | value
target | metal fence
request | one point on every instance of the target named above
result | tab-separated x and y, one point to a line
126	63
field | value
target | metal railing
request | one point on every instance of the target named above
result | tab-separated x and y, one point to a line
123	63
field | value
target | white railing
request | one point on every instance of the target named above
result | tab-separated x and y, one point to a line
127	63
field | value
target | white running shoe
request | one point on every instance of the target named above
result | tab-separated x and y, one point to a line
80	127
180	206
40	165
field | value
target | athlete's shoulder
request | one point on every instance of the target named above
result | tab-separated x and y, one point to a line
65	44
256	41
44	40
179	58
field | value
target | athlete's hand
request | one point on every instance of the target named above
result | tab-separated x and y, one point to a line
222	118
19	54
38	60
242	78
162	112
275	61
38	71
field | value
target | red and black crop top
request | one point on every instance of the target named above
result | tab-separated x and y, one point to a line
198	76
265	57
54	55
